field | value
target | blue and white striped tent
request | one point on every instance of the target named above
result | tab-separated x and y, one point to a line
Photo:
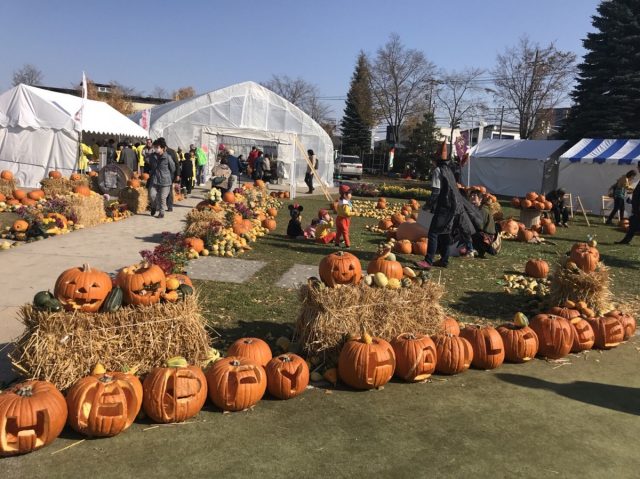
591	166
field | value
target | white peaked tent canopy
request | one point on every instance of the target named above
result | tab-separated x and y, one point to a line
513	167
39	132
591	166
249	114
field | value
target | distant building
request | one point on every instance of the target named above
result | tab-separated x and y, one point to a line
138	102
550	122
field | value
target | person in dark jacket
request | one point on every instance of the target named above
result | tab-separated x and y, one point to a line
619	193
234	165
634	219
186	172
129	157
558	207
451	214
176	179
163	171
484	239
258	167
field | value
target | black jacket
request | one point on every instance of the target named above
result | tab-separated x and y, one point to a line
451	211
635	200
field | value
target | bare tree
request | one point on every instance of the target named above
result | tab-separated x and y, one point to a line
159	92
455	95
301	93
28	74
400	81
182	93
529	79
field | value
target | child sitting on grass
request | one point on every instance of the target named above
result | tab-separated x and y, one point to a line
345	212
311	230
324	234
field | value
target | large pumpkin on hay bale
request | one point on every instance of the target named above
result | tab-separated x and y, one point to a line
455	354
287	376
415	356
366	362
36	195
608	332
174	393
55	175
555	335
142	284
32	415
585	257
82	190
411	231
583	336
82	288
627	321
19	195
340	268
236	383
536	268
520	342
104	404
229	197
254	349
390	268
488	348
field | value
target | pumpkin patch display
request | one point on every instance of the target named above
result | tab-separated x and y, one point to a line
236	384
254	349
555	335
174	393
32	415
340	268
142	284
287	376
104	404
82	288
415	356
536	268
520	342
455	354
366	362
583	337
488	348
608	332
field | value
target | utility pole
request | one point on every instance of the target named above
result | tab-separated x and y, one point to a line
501	120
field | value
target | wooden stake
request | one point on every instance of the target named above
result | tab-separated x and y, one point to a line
303	152
584	213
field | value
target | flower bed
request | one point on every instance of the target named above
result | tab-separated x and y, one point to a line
390	191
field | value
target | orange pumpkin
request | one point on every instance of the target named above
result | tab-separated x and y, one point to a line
229	197
287	376
6	175
397	219
55	175
82	190
608	332
391	269
254	349
259	184
28	202
536	268
145	177
520	343
548	205
449	326
488	348
526	204
366	362
36	195
585	257
134	183
455	354
273	212
19	194
415	356
583	337
510	227
525	235
566	313
181	278
627	321
555	335
549	229
340	268
142	284
532	196
419	247
236	383
402	246
269	223
75	177
82	288
515	202
194	243
2	198
20	226
92	174
385	224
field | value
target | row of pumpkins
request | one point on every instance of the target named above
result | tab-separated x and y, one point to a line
513	229
105	404
90	290
532	200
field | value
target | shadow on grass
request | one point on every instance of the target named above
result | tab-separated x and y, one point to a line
267	330
496	305
617	398
616	262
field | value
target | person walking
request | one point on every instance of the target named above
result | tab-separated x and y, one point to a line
634	219
619	193
345	212
147	151
129	157
258	166
201	164
161	177
186	172
234	165
176	176
312	167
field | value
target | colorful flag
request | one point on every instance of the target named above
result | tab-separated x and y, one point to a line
145	119
392	154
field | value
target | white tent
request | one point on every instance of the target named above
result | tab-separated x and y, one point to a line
591	166
39	132
512	167
242	115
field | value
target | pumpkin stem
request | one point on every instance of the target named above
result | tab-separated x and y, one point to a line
25	391
235	363
176	362
86	268
98	369
105	379
248	341
285	358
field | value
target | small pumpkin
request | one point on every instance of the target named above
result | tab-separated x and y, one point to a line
269	223
229	197
566	313
537	268
194	243
455	354
488	348
510	227
555	335
340	268
287	376
403	247
608	332
385	224
82	288
19	195
236	383
36	195
525	235
20	226
134	183
415	356
392	269
82	190
419	248
6	175
366	362
520	342
254	349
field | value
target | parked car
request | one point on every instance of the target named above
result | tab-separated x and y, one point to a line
348	166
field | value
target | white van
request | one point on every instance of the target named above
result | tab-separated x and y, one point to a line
348	166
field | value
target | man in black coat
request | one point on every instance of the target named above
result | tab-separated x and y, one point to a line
634	219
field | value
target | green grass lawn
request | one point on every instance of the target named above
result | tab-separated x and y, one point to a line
473	288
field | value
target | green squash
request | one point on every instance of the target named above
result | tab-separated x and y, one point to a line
45	301
113	301
184	290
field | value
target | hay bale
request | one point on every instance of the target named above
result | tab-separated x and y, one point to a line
327	315
56	186
198	222
7	187
63	347
576	285
136	199
88	210
84	181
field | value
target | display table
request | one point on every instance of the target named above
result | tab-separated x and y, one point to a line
530	217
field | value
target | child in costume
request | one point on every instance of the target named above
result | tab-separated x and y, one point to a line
324	234
310	231
345	212
294	228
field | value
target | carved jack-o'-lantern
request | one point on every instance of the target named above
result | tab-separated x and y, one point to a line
82	288
32	415
174	393
287	376
583	337
415	356
454	354
142	284
555	335
488	348
520	342
627	321
104	404
236	383
366	362
608	332
340	268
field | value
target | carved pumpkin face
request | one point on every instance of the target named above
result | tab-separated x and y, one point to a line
82	288
554	334
608	332
32	415
415	357
174	394
627	321
340	268
583	337
455	354
366	362
236	383
287	376
488	349
104	404
520	343
142	284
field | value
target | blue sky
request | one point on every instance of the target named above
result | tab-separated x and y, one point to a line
211	44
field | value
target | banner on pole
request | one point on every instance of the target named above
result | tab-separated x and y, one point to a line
78	116
145	120
392	154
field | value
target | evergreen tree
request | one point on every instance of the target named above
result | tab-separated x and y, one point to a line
358	119
607	94
423	142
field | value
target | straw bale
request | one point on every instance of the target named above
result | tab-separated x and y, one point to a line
56	186
7	187
63	347
136	199
84	181
198	221
88	210
576	285
328	315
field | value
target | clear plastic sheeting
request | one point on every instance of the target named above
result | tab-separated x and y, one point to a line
249	114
